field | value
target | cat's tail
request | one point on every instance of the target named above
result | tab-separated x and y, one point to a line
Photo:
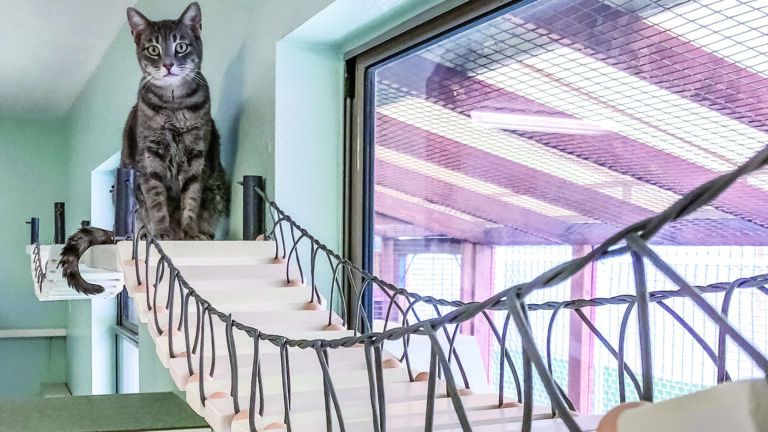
75	247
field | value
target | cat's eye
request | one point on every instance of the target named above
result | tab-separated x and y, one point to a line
181	48
153	50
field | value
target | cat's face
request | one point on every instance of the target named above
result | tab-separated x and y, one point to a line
169	51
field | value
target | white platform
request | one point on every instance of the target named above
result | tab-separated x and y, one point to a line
99	265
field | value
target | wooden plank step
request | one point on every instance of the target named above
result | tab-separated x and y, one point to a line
243	342
342	380
220	411
353	410
253	299
276	327
268	321
337	358
181	250
586	423
443	420
313	400
360	411
221	287
265	275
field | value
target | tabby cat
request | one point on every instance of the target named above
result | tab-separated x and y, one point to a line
169	139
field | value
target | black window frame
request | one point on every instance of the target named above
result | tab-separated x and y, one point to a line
125	330
124	322
431	26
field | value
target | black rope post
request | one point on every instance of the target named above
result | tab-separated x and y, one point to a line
124	202
59	228
253	207
34	230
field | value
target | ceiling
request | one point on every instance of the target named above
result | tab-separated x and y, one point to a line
49	50
677	88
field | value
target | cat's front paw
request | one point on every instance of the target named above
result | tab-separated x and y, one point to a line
163	234
191	233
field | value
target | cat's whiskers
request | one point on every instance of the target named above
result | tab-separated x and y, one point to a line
194	78
145	85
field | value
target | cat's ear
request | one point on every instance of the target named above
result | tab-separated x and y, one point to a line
192	17
137	22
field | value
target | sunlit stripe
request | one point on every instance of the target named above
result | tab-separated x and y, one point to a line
470	183
446	123
673	114
643	193
732	29
661	119
426	204
549	91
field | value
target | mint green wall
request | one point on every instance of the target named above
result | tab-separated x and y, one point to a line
309	127
254	129
79	350
91	346
240	38
33	174
278	107
310	105
153	376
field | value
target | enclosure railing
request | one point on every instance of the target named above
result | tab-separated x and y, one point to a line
292	241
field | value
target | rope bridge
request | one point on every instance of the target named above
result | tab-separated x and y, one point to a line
318	266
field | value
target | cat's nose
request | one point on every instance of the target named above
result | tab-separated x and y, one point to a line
168	66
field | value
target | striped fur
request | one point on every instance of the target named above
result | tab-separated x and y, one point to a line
169	139
76	246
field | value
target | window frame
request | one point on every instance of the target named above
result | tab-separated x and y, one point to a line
435	24
122	335
125	330
124	323
431	26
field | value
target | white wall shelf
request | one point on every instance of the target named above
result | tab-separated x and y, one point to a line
32	333
98	265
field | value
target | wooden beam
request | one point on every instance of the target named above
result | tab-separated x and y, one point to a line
387	227
430	219
580	345
434	245
726	93
386	267
468	281
517	178
435	190
387	260
477	285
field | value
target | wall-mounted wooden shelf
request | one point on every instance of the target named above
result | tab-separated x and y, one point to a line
98	265
32	333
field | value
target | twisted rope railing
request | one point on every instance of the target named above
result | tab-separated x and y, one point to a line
38	270
511	300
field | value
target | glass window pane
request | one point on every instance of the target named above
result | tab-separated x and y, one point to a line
127	366
523	140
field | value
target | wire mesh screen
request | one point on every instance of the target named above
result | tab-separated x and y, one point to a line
549	126
682	366
436	275
560	121
515	265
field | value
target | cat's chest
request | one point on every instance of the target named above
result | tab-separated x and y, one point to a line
179	125
174	138
177	130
